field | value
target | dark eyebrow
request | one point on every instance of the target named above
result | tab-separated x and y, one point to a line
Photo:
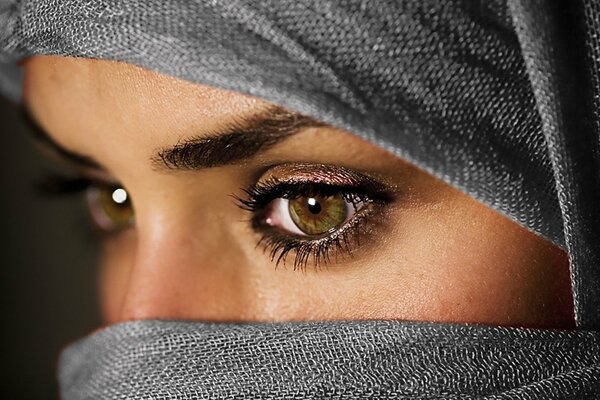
40	135
238	141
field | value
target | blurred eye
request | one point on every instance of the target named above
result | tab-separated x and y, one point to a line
314	215
110	207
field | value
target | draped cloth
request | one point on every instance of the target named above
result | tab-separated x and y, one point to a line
499	98
327	360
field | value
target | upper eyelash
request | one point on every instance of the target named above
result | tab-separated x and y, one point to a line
260	195
319	249
55	184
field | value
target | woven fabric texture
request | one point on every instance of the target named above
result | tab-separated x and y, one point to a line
327	360
442	84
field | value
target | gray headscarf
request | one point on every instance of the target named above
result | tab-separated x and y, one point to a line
499	98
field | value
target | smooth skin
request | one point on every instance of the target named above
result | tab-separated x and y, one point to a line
435	255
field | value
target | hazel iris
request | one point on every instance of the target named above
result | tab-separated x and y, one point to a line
110	207
316	215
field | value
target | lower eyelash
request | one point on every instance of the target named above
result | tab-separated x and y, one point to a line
317	251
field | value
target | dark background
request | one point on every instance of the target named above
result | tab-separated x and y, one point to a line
48	268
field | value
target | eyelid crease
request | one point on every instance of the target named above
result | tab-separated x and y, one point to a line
282	179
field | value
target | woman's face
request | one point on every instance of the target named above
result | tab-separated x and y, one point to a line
218	206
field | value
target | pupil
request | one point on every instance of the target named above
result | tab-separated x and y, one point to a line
313	205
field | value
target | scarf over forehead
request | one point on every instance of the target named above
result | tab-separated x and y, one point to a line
499	98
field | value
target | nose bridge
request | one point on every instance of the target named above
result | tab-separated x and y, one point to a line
178	275
158	277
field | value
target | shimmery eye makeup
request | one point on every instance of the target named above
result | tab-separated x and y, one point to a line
314	212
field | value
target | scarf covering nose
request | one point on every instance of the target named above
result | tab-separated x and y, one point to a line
330	360
498	98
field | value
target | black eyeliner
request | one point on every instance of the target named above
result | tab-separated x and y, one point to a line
259	195
318	251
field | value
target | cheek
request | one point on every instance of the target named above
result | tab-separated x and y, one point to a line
465	263
455	261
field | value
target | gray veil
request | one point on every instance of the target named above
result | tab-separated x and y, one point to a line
499	98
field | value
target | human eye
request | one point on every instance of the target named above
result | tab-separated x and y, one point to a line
109	204
315	212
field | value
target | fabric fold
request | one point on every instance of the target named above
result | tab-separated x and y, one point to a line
556	54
